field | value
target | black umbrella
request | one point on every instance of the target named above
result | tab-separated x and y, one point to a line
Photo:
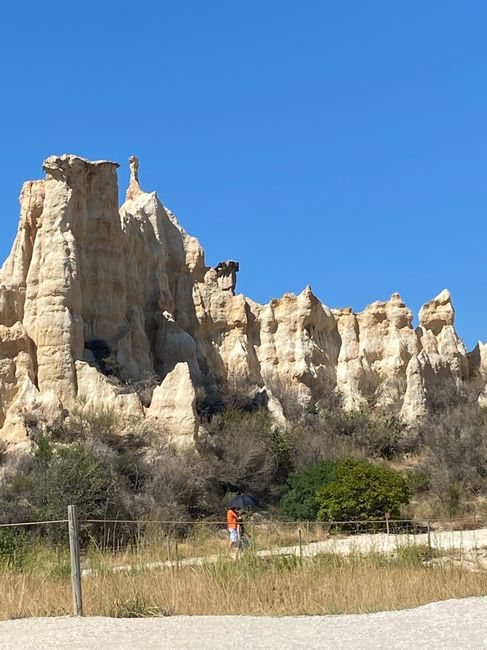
243	502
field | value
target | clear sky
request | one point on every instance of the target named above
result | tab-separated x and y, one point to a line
340	144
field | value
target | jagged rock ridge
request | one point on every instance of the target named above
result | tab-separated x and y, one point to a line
90	290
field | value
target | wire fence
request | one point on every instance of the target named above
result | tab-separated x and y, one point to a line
78	551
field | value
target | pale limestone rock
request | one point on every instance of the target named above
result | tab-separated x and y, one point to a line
14	340
25	405
7	386
174	406
477	360
383	359
134	187
446	352
92	290
376	347
350	371
438	313
13	274
478	369
290	345
78	237
96	392
275	409
414	403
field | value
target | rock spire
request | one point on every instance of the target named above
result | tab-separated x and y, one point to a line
94	299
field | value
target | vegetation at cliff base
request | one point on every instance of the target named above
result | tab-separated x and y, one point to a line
300	502
344	490
361	491
328	463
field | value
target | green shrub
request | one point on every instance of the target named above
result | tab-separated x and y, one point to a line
60	475
73	475
300	502
361	491
417	480
14	546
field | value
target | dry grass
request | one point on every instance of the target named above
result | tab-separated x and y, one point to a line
157	544
327	584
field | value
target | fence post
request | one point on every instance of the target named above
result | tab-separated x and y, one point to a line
75	560
429	537
300	544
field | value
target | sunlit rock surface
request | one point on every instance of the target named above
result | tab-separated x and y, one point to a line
95	299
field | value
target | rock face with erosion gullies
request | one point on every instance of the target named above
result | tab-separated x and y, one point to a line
96	300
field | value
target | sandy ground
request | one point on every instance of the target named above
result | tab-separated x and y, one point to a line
465	540
452	624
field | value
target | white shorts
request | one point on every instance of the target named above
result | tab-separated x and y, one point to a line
233	532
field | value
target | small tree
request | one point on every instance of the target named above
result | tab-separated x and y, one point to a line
361	491
300	502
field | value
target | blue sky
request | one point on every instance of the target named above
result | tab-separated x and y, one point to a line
342	145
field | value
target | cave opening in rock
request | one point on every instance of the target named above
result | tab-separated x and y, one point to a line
102	354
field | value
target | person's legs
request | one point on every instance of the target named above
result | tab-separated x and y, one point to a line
233	538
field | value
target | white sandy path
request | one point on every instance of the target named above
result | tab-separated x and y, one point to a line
465	540
448	625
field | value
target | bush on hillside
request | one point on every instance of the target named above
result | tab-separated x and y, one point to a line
378	435
72	475
361	491
140	474
299	503
61	475
243	452
454	445
326	433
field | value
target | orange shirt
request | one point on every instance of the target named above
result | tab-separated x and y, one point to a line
232	519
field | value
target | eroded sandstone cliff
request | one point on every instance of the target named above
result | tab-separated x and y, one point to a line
95	299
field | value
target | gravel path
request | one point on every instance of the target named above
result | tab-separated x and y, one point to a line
452	624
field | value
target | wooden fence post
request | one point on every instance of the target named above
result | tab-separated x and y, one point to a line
75	560
300	544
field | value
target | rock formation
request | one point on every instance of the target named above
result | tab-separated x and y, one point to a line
94	299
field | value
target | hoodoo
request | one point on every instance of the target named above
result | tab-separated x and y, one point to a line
95	299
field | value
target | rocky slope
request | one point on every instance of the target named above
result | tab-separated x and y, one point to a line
95	301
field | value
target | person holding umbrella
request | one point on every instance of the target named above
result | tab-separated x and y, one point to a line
232	526
237	505
242	502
